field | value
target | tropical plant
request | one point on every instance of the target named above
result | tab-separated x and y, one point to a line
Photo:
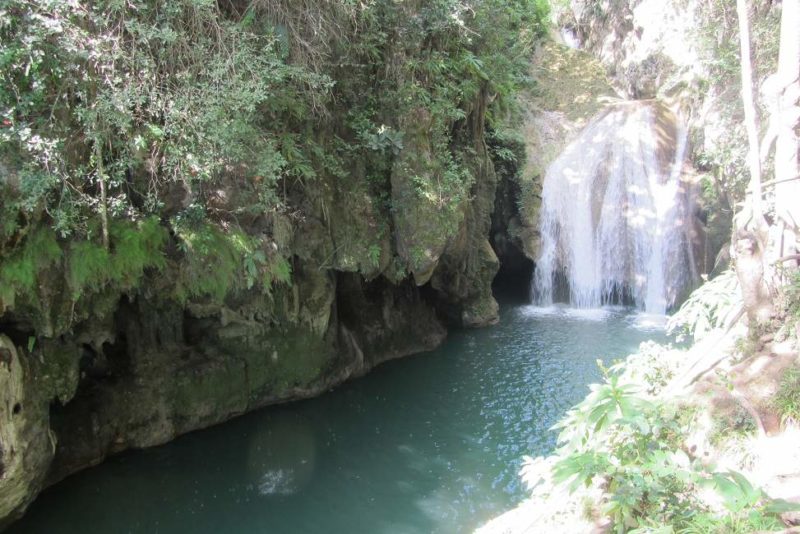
632	447
715	304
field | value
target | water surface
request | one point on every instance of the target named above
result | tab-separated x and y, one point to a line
430	443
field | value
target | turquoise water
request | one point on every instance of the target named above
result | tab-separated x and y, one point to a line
430	443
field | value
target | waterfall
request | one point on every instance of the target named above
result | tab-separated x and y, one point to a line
615	209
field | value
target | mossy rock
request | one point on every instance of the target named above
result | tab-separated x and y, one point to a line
360	230
57	369
423	225
279	363
207	392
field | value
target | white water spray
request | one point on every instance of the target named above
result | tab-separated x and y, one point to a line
615	211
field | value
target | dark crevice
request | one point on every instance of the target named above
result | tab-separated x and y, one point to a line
93	365
18	332
388	320
447	311
513	280
512	284
5	358
195	330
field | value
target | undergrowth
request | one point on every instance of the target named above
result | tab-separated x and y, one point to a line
114	115
219	261
134	247
787	400
631	445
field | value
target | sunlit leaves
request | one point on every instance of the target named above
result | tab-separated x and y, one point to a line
715	304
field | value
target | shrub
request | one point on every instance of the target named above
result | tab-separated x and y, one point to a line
715	304
631	446
787	400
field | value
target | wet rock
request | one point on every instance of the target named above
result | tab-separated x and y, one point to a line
571	88
423	222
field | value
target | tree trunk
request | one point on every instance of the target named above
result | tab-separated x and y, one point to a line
785	117
751	227
750	117
101	177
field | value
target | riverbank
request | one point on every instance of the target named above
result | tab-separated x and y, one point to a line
428	443
739	416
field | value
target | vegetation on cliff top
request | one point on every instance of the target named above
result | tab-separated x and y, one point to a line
204	124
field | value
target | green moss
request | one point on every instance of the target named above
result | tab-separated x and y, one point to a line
133	248
20	271
88	267
208	392
287	360
137	247
219	261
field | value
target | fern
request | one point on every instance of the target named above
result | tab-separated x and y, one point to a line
219	261
134	247
88	268
19	273
137	248
279	270
212	262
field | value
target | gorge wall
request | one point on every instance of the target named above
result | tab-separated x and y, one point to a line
136	368
334	214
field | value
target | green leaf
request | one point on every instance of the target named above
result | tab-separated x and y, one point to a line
779	506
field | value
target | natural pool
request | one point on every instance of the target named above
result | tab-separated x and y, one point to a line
430	443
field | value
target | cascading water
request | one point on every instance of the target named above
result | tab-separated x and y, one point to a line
615	210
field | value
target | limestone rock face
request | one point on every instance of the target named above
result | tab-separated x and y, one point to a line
463	280
380	321
381	255
650	47
172	371
134	368
419	217
22	448
27	444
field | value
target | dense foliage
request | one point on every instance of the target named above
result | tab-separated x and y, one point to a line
723	155
631	443
209	119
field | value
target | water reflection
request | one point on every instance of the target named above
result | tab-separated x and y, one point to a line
281	456
431	443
